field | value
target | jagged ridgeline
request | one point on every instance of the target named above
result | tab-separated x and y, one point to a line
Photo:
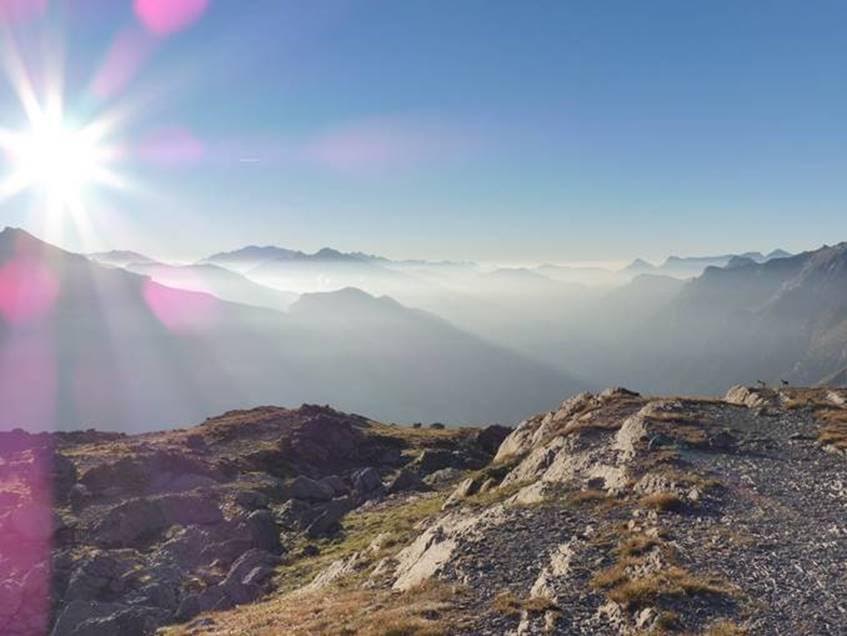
614	514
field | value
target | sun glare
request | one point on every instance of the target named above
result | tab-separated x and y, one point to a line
57	159
54	155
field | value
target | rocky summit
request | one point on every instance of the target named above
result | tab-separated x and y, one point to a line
616	513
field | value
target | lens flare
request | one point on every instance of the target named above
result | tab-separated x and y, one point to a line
57	159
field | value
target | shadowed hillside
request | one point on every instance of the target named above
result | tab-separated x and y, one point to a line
87	345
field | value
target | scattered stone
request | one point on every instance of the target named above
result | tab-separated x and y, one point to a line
406	481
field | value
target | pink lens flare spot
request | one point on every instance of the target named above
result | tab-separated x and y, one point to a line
28	290
165	17
21	10
180	310
169	146
28	382
26	496
384	145
358	148
130	49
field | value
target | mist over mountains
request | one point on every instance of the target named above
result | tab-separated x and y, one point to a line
120	340
84	344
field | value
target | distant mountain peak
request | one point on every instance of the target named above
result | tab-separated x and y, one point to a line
778	253
267	252
330	254
740	261
639	264
120	258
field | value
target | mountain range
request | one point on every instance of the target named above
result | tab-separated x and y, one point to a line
83	344
690	266
780	319
119	337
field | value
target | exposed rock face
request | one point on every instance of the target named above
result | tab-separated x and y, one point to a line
622	514
367	483
329	516
490	438
114	534
613	514
752	397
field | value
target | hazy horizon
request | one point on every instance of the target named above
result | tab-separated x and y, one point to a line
611	264
568	133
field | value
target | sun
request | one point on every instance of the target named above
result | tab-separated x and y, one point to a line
57	159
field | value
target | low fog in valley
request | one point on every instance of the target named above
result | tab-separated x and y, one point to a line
142	344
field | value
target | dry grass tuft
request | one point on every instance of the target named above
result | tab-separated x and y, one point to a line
834	429
725	628
663	502
587	496
644	573
670	582
636	544
506	603
430	610
509	604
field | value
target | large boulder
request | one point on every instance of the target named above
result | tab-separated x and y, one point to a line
186	547
324	439
263	530
490	438
98	578
303	487
139	521
366	480
328	520
751	397
130	524
406	481
337	484
225	552
296	514
432	459
246	563
189	509
251	499
125	476
243	583
88	618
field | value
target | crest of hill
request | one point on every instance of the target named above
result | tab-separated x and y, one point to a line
632	512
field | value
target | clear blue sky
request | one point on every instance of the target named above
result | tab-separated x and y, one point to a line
479	129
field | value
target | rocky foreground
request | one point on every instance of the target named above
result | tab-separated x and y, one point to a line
614	514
